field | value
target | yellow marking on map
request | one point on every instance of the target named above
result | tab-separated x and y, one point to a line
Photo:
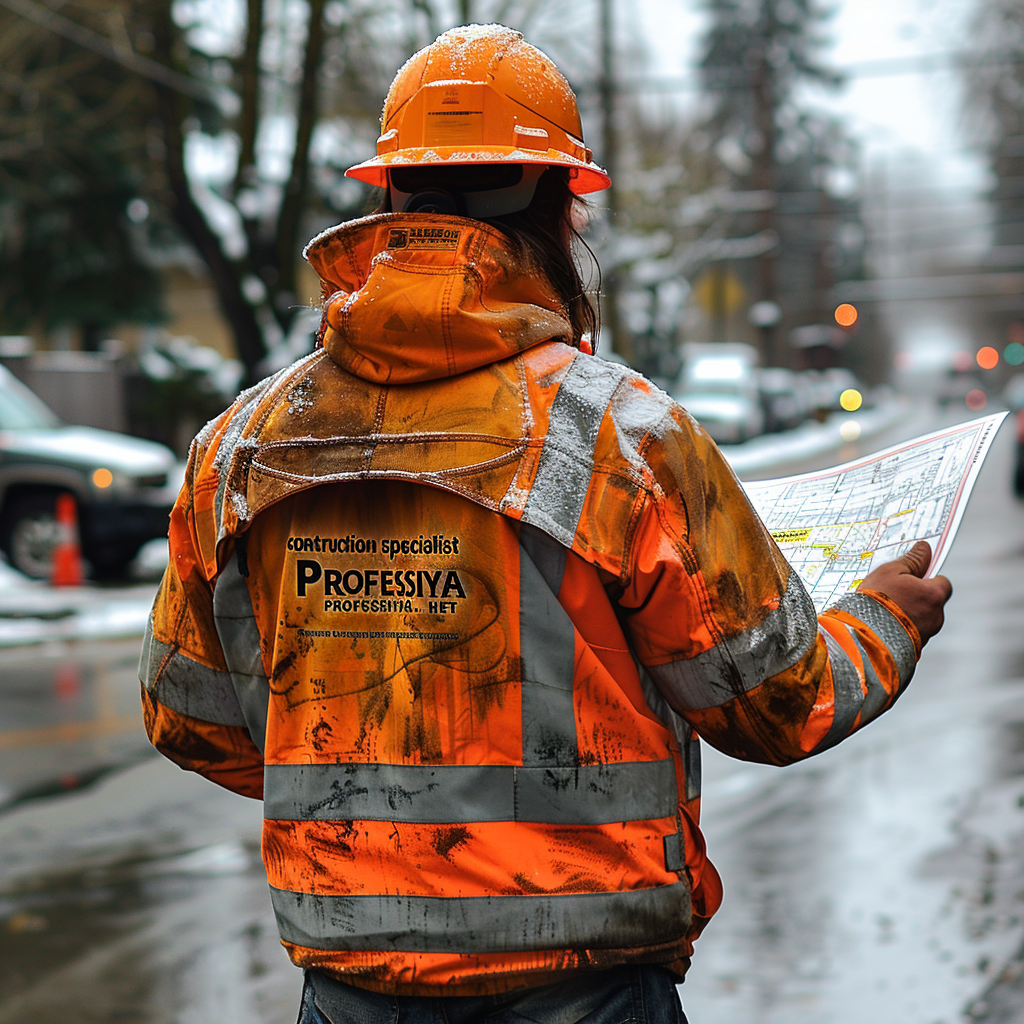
828	550
791	536
866	554
905	512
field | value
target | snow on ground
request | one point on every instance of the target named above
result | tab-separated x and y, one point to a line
33	612
813	438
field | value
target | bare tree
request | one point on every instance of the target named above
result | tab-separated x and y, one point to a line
235	136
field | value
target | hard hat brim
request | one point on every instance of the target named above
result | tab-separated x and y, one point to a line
584	179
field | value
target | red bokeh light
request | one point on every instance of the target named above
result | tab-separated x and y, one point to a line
975	400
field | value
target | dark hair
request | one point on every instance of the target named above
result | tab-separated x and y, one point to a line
544	232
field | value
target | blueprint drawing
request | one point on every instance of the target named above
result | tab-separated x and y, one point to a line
835	525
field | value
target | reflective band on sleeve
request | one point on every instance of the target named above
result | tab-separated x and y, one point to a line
448	794
741	662
484	924
547	641
848	694
887	628
240	640
184	685
877	697
567	458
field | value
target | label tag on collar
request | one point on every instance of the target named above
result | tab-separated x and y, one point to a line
424	238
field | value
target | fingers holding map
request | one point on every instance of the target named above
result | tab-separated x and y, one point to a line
835	525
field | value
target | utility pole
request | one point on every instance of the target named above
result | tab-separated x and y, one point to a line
765	277
610	313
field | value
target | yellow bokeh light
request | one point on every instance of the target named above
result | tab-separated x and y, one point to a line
850	430
846	315
102	478
851	399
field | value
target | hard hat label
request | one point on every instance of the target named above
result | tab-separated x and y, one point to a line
454	127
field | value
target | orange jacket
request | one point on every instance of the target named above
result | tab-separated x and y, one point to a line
456	600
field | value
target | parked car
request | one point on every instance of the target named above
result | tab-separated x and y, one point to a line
124	487
782	400
956	384
718	387
827	386
731	414
1014	397
1013	393
1018	465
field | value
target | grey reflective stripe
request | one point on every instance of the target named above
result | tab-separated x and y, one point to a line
688	740
638	412
692	766
877	697
548	652
224	458
151	657
887	628
739	663
567	458
484	924
847	694
240	640
448	794
184	685
545	553
230	445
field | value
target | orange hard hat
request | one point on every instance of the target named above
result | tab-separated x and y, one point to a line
482	94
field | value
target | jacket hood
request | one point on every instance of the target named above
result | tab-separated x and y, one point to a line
416	297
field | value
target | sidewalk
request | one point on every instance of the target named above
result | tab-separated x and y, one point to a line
33	612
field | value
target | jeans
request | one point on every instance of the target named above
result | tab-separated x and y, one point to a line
642	994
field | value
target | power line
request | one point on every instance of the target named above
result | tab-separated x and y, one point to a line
715	79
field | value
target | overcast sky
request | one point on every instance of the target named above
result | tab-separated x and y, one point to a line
888	113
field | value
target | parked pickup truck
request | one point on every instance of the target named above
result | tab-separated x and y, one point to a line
124	486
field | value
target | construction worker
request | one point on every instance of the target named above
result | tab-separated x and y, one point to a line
456	598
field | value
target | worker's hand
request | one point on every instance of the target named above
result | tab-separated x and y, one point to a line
903	582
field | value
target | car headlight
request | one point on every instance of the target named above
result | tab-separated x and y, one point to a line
102	478
107	482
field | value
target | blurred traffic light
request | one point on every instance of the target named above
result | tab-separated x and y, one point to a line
987	357
1014	353
851	399
846	315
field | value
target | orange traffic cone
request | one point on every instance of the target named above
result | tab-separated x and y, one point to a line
67	556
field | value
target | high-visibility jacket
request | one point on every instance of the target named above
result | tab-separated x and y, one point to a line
457	599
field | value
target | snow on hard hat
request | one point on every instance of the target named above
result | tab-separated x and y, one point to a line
482	94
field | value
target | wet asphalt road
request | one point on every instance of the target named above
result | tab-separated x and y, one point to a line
69	712
881	882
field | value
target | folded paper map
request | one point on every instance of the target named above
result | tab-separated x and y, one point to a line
835	525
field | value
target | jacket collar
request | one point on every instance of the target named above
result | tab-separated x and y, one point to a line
416	297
